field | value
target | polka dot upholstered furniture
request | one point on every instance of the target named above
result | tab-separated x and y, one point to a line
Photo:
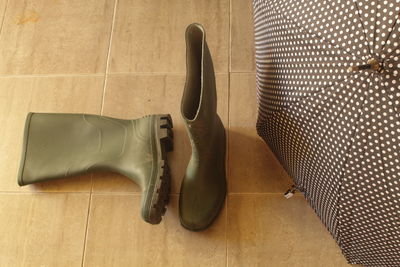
328	83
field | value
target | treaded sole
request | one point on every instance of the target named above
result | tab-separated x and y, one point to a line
162	186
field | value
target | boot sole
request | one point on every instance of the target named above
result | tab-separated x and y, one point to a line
158	195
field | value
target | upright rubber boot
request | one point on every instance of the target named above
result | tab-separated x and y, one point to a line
203	188
62	145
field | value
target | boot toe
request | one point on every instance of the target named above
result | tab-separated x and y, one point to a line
194	221
198	213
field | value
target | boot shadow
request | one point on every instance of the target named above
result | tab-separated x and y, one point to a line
79	183
252	167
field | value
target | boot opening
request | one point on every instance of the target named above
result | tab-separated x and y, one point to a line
192	94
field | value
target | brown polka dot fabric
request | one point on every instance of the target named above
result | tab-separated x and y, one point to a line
331	116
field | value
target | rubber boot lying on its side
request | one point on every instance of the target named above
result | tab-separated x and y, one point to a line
203	188
62	145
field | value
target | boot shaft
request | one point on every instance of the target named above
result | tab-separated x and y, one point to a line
199	97
199	100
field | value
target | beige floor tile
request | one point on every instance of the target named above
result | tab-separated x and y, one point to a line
242	36
149	36
18	96
55	36
133	96
252	166
42	229
118	236
269	230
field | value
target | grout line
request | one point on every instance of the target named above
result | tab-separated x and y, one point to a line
258	193
261	194
132	193
52	75
101	112
4	16
228	175
125	194
57	75
243	72
230	38
87	223
117	193
226	230
43	192
228	135
75	192
108	57
147	73
158	73
228	104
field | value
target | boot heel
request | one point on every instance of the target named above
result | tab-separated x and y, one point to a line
165	132
160	197
161	194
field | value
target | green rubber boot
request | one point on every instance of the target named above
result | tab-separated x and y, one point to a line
62	145
203	188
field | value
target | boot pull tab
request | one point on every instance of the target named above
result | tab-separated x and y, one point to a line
290	192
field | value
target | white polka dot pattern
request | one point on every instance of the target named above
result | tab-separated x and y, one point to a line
337	133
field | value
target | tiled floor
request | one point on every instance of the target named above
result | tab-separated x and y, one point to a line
126	58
